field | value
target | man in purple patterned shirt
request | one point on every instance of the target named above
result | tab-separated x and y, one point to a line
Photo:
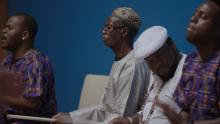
198	92
38	96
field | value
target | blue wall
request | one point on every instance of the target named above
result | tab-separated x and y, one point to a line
70	34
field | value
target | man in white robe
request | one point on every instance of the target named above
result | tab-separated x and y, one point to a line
128	78
166	64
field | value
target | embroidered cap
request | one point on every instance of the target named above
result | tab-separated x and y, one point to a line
150	41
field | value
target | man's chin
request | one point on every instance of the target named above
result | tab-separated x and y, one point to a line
4	47
165	76
191	40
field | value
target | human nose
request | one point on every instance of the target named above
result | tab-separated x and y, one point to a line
104	30
194	18
3	30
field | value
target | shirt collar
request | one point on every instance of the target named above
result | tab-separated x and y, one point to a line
25	59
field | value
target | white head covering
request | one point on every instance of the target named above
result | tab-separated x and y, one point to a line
128	15
151	40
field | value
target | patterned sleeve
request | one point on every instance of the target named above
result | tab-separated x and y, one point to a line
180	96
36	76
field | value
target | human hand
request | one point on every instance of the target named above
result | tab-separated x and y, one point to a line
170	113
63	118
120	120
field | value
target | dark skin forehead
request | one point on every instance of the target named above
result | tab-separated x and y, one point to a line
211	8
15	21
114	20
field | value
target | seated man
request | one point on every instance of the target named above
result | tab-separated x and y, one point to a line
198	93
128	78
38	96
165	62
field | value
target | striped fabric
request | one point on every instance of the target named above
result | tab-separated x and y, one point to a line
199	89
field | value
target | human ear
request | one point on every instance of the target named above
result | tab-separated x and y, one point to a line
25	35
124	31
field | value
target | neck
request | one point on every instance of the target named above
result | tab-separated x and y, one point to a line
205	51
121	53
20	52
173	67
122	50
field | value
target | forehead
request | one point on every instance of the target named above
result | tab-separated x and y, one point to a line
15	21
113	20
210	9
204	7
163	52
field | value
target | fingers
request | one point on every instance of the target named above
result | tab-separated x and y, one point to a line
169	112
58	118
166	108
120	120
57	115
117	120
63	118
114	121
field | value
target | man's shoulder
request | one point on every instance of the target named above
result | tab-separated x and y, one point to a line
35	56
136	63
192	57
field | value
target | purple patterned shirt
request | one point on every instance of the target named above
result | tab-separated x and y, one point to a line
39	82
199	89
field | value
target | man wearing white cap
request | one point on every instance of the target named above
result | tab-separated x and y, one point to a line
165	62
128	78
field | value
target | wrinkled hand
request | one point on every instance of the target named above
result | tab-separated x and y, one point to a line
165	107
63	118
174	118
120	120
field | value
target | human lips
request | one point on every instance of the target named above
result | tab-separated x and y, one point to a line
104	37
190	27
3	38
